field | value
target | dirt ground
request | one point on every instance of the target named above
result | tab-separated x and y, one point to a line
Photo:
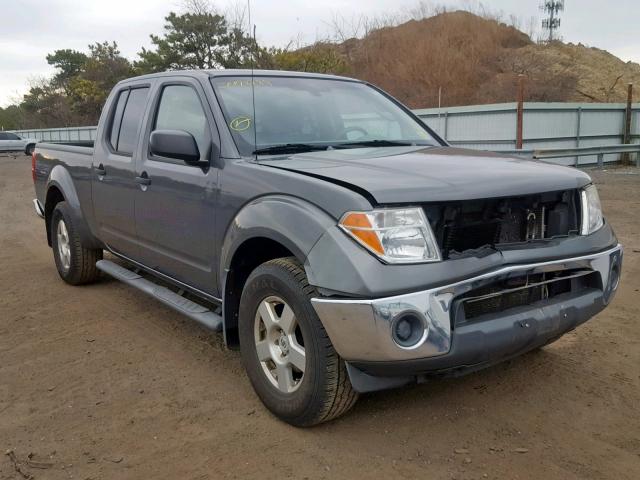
101	382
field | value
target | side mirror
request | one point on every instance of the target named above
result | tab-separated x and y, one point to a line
176	144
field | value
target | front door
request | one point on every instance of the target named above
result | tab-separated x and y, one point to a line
175	210
5	144
10	142
113	171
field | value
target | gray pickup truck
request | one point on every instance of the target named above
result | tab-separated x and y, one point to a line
332	237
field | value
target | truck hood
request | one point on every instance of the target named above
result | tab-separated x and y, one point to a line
431	174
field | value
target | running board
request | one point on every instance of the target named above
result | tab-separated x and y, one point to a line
193	310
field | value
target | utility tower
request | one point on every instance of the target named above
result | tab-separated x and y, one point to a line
551	23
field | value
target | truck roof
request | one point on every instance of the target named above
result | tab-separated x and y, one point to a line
236	72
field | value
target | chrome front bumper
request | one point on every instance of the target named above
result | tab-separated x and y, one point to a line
361	329
38	208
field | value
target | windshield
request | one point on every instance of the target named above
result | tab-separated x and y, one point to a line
295	114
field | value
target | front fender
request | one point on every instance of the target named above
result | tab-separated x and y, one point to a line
290	221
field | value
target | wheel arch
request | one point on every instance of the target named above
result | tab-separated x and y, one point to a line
60	187
53	197
264	229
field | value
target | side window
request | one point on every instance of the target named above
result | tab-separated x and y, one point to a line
131	120
117	119
359	117
4	136
180	109
12	136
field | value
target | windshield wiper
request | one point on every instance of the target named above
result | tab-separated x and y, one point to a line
307	147
289	148
377	143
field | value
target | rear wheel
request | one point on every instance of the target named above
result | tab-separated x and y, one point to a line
286	351
76	265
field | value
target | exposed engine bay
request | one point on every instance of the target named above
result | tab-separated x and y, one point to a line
469	227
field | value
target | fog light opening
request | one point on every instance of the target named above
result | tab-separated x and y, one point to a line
409	329
614	277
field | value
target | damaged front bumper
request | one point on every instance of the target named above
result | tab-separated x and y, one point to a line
363	331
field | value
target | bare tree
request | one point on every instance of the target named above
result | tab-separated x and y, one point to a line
515	21
610	92
237	16
531	27
198	7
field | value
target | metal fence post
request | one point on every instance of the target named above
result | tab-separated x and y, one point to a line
600	160
446	125
626	159
578	126
520	112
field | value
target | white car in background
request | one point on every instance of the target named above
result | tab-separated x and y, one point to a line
10	142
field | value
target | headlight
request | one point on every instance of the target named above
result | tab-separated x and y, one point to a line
400	235
591	211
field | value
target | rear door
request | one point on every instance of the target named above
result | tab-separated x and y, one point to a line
113	182
175	212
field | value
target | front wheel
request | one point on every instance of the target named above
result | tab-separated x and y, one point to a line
28	150
286	351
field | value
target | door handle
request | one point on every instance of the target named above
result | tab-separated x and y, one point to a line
100	170
143	179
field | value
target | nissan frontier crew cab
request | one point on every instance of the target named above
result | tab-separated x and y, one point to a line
332	237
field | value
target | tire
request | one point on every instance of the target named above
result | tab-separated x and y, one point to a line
76	265
321	391
29	149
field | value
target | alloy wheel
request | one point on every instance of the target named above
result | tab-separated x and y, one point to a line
64	247
279	344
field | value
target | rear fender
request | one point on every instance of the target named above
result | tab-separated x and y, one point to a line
60	179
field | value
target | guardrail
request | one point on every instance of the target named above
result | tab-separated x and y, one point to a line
67	134
544	125
600	152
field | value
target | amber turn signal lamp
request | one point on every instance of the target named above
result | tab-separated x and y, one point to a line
360	227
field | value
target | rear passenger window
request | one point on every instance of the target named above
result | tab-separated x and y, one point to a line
117	119
131	120
127	118
180	109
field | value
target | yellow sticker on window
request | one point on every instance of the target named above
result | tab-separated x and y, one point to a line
240	124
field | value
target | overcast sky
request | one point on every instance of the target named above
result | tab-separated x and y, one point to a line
32	28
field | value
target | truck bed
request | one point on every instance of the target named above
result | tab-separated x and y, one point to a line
76	160
84	147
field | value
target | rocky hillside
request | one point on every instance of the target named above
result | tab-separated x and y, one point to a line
472	60
601	76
